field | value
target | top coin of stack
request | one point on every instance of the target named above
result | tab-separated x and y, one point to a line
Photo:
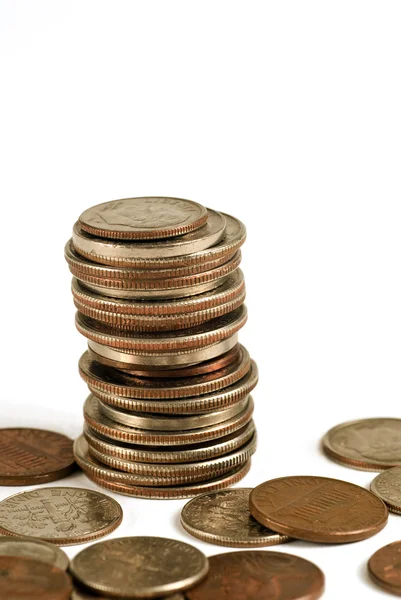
160	299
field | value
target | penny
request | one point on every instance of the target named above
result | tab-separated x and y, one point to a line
368	444
60	515
223	518
109	428
231	240
176	492
143	218
99	249
33	548
30	456
318	509
119	383
259	575
387	486
22	578
385	568
162	455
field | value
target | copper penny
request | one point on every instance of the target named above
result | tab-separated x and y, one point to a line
31	456
259	575
385	568
22	578
368	444
318	509
387	486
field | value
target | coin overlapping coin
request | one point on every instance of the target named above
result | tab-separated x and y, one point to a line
160	299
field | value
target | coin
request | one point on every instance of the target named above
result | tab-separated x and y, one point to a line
175	492
259	574
318	509
387	486
79	594
33	548
385	568
223	518
143	218
99	249
118	383
31	456
232	239
60	515
23	578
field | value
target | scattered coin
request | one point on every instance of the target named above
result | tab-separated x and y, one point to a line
23	578
385	568
80	594
139	567
318	509
60	515
258	574
33	548
31	456
368	444
387	486
143	218
223	518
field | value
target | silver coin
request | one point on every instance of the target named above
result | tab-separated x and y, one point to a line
29	547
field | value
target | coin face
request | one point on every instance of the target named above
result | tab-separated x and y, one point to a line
387	486
22	578
385	568
318	509
143	218
30	456
35	549
259	575
223	518
369	444
60	515
139	567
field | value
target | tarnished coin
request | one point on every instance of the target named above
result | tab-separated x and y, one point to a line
368	444
80	594
318	509
259	575
139	567
33	548
60	515
385	568
98	249
143	218
232	239
31	456
223	518
387	486
24	578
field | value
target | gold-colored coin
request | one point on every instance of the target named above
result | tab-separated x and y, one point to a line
33	548
387	486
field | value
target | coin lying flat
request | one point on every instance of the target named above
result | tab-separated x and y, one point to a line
23	578
387	486
60	515
31	456
258	574
368	444
143	218
385	568
35	549
223	518
318	509
80	594
139	567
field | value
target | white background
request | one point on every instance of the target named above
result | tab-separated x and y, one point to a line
286	114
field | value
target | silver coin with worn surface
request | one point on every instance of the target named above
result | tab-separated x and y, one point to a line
387	486
80	594
139	567
33	548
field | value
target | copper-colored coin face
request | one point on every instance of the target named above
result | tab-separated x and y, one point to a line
60	515
259	575
387	486
385	568
318	509
22	578
143	218
32	456
33	548
368	444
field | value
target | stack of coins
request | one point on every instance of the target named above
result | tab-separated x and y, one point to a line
160	298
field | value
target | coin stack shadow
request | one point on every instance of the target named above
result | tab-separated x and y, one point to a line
170	411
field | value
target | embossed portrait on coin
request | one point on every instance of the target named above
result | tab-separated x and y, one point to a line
381	442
